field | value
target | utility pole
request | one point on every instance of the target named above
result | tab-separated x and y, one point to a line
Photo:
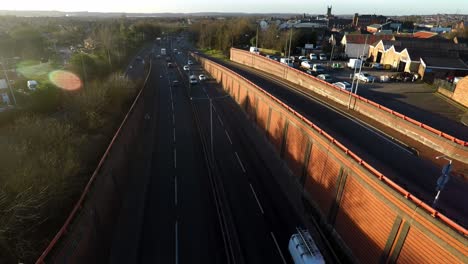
290	39
361	58
8	81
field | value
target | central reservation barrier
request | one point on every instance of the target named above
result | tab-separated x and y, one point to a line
377	220
427	135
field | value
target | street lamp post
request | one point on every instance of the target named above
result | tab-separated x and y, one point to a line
443	179
210	99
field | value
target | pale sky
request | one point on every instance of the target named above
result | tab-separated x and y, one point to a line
386	7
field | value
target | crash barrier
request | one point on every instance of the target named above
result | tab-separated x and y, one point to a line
431	137
377	220
86	235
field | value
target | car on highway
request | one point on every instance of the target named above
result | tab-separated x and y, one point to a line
313	56
364	76
189	62
186	68
201	77
343	85
322	56
325	77
193	79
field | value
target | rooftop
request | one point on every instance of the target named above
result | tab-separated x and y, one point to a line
361	38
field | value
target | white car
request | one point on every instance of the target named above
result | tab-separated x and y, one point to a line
201	77
302	58
189	62
186	68
343	85
322	56
325	77
313	56
193	79
365	77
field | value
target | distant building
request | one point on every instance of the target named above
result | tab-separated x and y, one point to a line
362	21
357	44
329	11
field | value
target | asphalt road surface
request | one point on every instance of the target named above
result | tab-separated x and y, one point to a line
171	215
393	160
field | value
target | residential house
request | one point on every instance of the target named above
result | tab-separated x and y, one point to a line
431	58
357	44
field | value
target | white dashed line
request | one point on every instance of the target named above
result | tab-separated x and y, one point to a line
173	130
175	190
256	198
277	247
176	243
221	121
240	162
173	119
229	138
175	158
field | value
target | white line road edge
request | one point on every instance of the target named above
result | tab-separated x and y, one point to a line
277	247
240	162
256	198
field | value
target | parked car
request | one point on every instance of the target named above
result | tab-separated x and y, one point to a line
313	56
365	77
325	77
343	85
189	62
186	68
201	77
302	58
306	64
318	68
403	77
322	56
377	66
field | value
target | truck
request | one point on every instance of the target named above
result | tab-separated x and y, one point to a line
354	63
303	248
163	51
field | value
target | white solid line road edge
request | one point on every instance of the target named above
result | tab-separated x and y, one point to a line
256	198
240	162
277	247
229	138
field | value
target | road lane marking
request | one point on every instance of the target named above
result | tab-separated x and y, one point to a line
173	130
173	119
229	138
221	121
256	198
240	162
176	243
175	190
172	104
175	158
277	247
